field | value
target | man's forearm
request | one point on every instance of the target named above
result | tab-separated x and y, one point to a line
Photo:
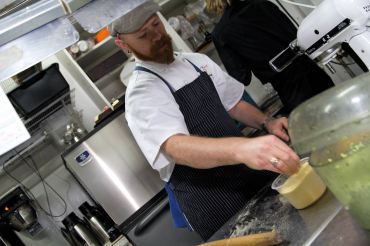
201	152
256	153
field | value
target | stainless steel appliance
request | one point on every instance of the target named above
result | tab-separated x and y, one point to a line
16	210
110	166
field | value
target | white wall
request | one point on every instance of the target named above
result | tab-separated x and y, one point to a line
83	102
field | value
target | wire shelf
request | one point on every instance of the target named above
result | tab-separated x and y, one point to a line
34	126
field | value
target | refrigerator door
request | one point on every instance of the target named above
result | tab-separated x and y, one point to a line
113	170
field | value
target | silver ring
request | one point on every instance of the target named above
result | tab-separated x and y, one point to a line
274	161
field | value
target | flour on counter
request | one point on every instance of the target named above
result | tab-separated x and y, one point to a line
266	212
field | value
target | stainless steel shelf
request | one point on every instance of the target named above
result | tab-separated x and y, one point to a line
97	51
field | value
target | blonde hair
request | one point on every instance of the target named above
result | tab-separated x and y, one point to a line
217	6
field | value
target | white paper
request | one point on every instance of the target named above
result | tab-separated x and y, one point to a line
12	130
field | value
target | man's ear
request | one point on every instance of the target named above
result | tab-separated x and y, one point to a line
121	44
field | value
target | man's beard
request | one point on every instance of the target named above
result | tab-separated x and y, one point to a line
160	52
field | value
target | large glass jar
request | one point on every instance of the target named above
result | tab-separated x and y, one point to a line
333	128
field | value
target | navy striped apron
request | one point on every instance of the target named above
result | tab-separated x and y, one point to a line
210	197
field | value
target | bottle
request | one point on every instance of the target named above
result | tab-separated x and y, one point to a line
101	225
77	232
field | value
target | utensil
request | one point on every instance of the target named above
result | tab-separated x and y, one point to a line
260	239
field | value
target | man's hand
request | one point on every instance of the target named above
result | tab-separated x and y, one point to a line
268	153
278	127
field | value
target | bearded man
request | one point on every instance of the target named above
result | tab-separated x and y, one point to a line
181	109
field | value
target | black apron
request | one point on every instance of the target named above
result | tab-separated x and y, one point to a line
210	197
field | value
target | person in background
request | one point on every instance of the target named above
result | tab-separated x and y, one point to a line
249	34
180	108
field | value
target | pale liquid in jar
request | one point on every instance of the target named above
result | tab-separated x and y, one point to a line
303	188
349	179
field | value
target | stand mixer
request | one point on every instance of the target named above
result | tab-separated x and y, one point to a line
322	32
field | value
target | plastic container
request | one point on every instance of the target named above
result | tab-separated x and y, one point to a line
333	128
102	35
301	189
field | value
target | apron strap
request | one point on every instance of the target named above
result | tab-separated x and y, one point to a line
144	69
195	67
139	68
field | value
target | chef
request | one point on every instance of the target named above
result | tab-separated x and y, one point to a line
181	109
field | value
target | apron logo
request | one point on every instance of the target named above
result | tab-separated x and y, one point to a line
205	69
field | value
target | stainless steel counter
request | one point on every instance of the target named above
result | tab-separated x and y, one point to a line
323	223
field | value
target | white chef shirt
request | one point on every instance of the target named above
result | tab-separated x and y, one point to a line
152	112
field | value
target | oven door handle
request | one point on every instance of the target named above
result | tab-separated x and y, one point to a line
151	216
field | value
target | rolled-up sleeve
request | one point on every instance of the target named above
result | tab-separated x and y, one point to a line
153	116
